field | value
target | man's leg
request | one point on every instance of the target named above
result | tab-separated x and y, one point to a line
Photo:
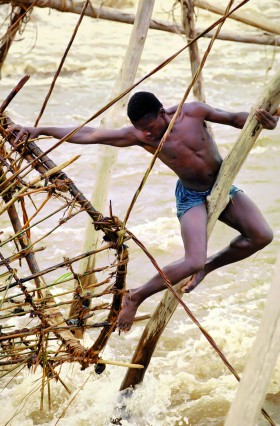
244	216
193	231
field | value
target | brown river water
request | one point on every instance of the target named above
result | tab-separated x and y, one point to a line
186	383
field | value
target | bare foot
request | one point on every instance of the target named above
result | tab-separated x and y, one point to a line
194	281
127	313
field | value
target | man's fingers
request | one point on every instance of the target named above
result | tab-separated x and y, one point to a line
266	119
17	131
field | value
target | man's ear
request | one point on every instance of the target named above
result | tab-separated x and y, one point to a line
162	111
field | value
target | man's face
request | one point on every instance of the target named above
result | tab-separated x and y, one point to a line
152	127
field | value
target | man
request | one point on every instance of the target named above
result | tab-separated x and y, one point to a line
193	155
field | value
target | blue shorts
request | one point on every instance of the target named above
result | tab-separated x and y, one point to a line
188	198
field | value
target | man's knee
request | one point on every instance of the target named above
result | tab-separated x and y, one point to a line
263	238
195	264
254	242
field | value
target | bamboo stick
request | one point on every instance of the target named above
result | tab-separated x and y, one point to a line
47	174
245	409
67	262
13	93
119	363
269	100
121	17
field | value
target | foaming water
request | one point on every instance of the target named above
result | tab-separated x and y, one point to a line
186	383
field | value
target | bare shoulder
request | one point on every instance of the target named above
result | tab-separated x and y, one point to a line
195	109
131	134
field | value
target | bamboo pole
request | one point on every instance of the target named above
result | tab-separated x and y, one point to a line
245	409
253	18
121	17
269	100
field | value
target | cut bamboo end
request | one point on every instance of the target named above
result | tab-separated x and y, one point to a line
120	364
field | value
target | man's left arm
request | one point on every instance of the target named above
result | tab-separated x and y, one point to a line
238	119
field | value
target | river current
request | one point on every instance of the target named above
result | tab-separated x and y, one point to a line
186	383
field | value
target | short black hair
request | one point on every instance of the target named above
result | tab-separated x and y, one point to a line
141	104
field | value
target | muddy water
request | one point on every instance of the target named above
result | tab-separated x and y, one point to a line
186	383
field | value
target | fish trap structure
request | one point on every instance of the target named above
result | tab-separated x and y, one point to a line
35	328
42	317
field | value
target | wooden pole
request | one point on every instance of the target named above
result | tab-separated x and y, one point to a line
245	409
126	18
108	155
190	31
217	201
246	17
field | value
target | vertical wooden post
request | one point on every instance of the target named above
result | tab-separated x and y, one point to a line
217	201
188	23
246	407
108	155
189	28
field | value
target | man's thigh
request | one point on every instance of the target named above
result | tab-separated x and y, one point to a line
194	231
243	215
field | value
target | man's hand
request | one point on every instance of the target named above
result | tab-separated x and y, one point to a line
21	134
267	120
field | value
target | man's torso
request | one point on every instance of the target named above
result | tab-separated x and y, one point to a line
189	151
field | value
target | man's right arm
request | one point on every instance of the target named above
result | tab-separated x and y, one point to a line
85	136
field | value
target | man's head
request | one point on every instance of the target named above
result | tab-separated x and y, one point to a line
147	114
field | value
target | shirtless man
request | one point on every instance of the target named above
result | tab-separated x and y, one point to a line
193	155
